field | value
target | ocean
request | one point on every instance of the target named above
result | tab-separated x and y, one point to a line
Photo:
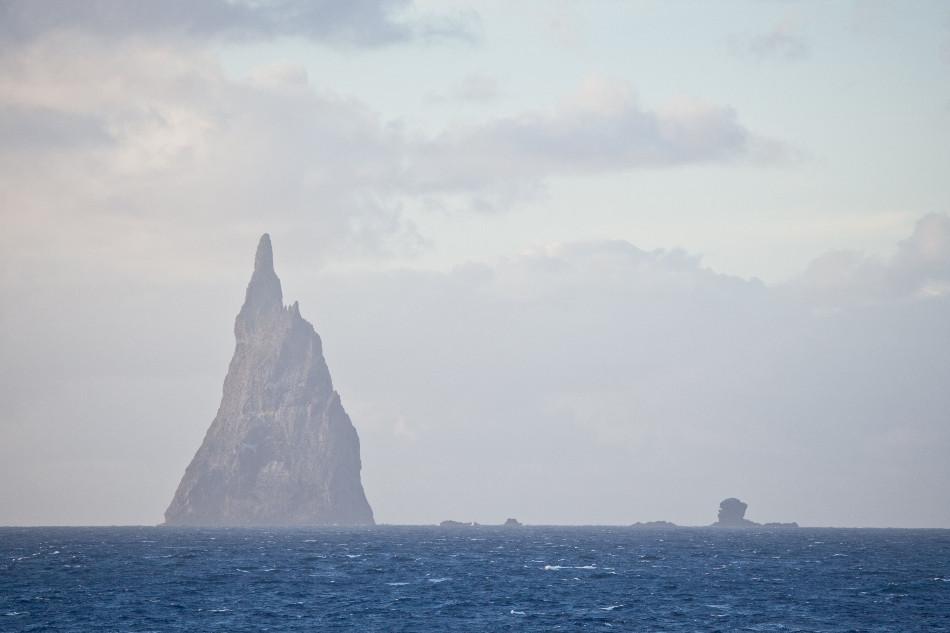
424	579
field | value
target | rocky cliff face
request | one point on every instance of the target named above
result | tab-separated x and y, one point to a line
281	450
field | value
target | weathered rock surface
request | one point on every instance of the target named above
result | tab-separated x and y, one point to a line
511	522
281	450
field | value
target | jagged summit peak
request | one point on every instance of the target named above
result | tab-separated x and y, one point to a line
281	450
264	293
264	258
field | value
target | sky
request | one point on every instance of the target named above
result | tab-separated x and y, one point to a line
572	262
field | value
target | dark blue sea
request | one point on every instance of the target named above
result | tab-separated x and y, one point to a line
473	579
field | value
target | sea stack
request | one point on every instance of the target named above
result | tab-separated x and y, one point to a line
281	450
732	514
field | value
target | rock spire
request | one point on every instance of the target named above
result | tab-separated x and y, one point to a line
281	450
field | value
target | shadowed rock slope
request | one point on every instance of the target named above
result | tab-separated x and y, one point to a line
281	450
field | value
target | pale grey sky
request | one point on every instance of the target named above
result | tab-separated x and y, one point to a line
571	262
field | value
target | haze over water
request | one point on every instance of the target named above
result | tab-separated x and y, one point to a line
587	263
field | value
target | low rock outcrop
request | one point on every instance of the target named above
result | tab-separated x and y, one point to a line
657	525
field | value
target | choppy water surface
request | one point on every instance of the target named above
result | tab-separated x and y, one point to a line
481	579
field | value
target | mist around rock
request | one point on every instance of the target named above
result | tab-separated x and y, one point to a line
281	451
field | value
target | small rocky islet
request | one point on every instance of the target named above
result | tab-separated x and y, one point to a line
731	515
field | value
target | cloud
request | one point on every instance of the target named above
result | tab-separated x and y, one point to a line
355	23
27	129
596	381
920	268
104	136
783	42
118	134
578	382
600	128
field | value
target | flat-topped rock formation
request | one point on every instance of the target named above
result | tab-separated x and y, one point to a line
732	515
281	450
